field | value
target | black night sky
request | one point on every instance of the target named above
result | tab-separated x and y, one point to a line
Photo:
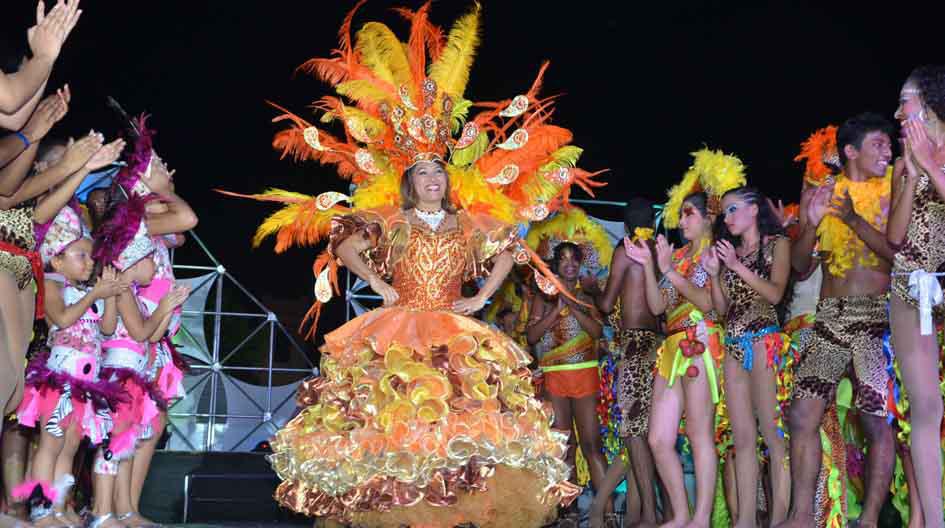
644	85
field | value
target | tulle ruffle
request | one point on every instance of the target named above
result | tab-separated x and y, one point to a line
136	417
63	400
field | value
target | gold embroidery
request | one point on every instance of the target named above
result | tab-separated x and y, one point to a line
429	274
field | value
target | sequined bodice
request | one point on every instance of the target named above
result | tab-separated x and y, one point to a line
429	275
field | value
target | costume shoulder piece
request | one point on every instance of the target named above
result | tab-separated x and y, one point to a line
397	103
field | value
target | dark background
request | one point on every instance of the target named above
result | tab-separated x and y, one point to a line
645	85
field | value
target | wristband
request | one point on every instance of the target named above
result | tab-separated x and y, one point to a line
24	139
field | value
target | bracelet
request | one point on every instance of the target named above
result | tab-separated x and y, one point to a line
24	139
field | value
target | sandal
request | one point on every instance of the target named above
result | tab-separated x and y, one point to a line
103	521
135	520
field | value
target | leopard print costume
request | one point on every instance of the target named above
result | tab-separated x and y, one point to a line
924	245
634	380
748	311
16	228
847	330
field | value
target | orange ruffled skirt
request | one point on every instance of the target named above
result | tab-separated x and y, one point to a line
423	419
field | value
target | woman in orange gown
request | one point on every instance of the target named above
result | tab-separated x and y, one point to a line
422	416
418	406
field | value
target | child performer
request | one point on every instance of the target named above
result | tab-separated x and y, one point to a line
64	393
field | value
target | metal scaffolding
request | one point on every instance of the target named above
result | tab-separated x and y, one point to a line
221	412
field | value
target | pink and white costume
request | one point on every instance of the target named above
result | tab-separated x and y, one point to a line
168	366
63	385
128	362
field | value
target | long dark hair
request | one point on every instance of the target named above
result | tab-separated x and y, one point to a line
408	196
768	225
767	221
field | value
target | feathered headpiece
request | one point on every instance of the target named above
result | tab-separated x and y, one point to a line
576	227
138	160
122	239
712	172
399	103
66	228
820	156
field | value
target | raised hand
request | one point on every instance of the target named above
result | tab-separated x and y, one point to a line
844	209
917	139
710	262
52	29
106	155
783	218
638	252
386	291
819	204
158	179
912	172
108	284
176	297
80	152
48	112
726	254
664	254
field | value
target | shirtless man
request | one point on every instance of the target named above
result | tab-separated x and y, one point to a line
637	339
849	219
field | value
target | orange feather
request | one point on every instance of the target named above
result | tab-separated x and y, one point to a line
542	141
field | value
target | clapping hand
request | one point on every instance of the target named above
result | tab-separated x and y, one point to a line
106	155
78	153
48	112
710	261
52	29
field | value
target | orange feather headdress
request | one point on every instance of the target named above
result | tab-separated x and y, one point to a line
820	156
397	103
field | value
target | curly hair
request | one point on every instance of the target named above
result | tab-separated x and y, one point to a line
930	80
559	249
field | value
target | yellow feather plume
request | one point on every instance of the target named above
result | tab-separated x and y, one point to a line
575	226
473	194
451	70
677	194
363	91
362	124
537	187
384	54
299	223
381	191
719	172
713	172
567	156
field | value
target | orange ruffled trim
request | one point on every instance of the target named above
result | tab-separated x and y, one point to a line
408	404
